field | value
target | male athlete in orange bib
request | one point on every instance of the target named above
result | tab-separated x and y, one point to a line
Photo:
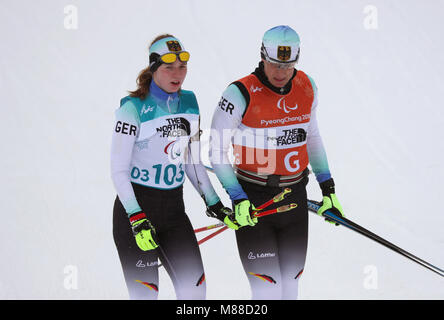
269	118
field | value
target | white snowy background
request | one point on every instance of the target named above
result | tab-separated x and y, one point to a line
66	64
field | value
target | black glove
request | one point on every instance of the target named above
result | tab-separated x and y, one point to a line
222	213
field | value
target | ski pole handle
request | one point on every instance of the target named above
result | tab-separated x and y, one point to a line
279	197
283	208
262	214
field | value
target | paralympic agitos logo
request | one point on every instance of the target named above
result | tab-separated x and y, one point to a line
175	127
281	104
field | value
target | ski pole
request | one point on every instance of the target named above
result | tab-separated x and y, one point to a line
211	235
203	239
314	207
213	226
283	208
276	198
279	197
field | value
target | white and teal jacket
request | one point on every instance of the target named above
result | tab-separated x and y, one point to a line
155	143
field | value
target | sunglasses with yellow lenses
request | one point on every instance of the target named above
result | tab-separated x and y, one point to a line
183	56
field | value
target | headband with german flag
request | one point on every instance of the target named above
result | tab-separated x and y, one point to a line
161	47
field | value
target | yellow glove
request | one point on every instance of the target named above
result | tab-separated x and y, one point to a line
143	231
330	200
243	211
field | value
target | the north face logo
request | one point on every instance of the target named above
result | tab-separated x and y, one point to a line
175	127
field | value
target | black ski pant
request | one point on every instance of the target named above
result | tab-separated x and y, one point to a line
273	251
178	249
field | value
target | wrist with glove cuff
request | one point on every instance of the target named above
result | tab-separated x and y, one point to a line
327	187
143	231
222	213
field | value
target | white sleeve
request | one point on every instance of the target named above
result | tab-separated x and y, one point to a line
196	172
126	130
315	147
226	119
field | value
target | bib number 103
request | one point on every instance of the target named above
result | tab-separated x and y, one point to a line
167	174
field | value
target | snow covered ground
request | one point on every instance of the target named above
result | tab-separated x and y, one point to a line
66	64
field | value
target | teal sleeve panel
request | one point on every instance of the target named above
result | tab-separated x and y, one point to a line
315	147
226	119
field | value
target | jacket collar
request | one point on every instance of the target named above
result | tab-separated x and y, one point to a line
159	93
260	74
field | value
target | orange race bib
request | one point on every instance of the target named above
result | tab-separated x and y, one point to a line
272	138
